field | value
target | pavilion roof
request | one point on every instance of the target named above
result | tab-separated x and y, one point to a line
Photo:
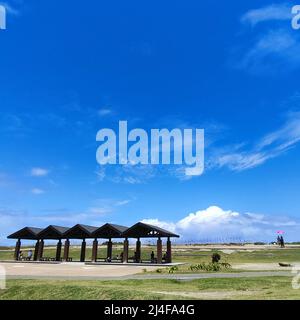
143	230
53	232
109	230
27	233
79	231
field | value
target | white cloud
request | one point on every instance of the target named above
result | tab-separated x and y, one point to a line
122	202
99	211
170	226
269	146
37	191
215	224
10	9
273	48
272	12
274	51
39	172
104	112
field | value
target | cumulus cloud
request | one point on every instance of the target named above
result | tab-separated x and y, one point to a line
272	12
39	172
215	224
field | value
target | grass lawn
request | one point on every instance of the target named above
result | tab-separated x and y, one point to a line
236	288
188	255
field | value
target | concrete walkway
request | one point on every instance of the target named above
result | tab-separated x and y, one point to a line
80	271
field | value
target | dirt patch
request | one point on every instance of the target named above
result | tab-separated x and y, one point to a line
228	251
262	266
212	295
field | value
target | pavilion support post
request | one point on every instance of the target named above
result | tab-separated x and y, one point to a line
159	250
41	250
109	249
17	249
58	251
36	250
95	250
138	251
169	251
82	254
66	250
125	251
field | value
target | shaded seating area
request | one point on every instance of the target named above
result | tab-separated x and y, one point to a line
143	230
27	233
51	233
107	231
79	232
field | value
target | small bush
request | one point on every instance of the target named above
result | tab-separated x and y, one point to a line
210	266
172	269
215	258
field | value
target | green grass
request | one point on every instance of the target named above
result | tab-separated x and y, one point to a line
189	255
221	288
236	288
257	256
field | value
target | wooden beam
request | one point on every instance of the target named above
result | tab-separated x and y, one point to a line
95	250
125	251
159	250
17	249
82	254
66	250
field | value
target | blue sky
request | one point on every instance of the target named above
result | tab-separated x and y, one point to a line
68	69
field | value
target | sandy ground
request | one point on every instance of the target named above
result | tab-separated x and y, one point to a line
233	247
69	270
265	267
81	271
214	295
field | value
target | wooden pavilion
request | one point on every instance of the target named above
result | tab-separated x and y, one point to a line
107	231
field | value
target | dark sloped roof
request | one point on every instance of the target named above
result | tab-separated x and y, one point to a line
28	233
109	230
143	230
53	232
79	231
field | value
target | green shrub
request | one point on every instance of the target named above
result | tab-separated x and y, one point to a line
172	269
214	267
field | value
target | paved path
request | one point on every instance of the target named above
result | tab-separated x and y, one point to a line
80	271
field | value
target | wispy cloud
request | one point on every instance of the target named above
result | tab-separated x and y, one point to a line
99	212
10	9
274	51
105	112
37	191
39	172
271	49
269	146
272	12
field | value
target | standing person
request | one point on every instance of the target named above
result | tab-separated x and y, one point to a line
152	257
281	242
29	255
21	255
278	240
